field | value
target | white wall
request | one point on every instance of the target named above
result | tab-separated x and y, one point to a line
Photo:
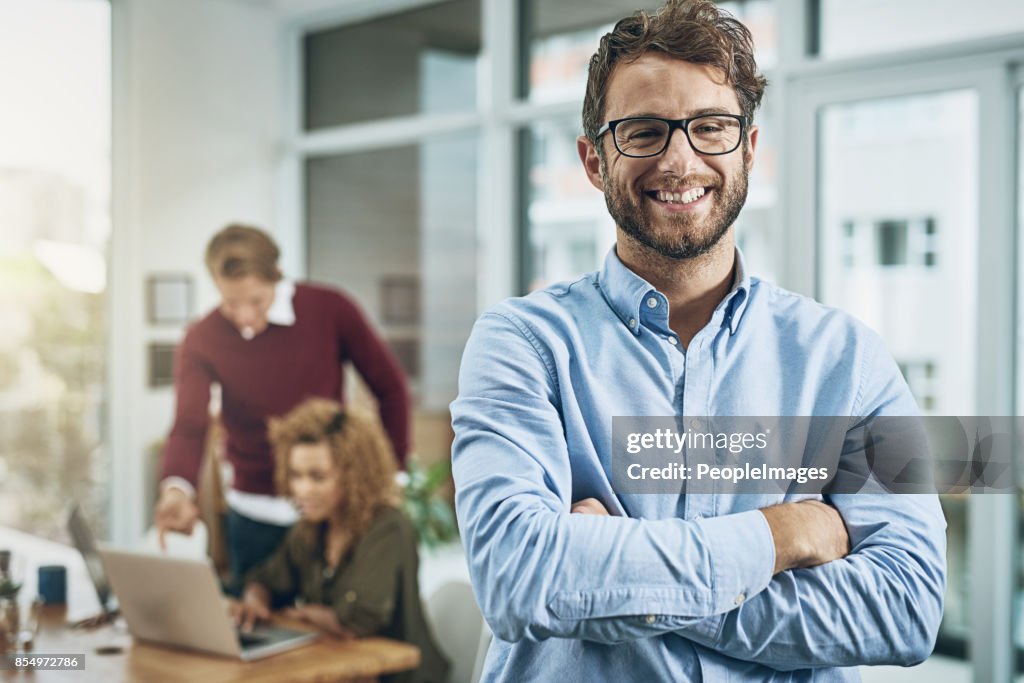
197	126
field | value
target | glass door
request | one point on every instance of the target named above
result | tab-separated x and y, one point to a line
898	244
900	209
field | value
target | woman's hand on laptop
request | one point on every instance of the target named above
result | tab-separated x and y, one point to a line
254	606
321	616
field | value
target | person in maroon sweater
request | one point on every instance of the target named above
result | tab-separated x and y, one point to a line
270	345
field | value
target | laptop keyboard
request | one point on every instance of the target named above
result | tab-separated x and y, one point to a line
251	639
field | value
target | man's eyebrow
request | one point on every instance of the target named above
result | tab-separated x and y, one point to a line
696	112
710	110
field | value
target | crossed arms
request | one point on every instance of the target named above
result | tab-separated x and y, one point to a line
773	586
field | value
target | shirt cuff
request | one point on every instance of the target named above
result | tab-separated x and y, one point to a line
742	553
179	483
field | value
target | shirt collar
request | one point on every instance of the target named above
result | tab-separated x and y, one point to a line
625	291
282	310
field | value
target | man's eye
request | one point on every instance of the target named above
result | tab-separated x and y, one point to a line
643	133
708	129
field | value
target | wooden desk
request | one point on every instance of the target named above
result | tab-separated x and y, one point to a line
326	660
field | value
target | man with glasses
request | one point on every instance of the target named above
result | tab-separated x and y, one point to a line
678	587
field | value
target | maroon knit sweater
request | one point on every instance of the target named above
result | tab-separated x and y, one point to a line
271	374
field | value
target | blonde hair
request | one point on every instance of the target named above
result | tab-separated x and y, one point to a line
359	449
238	251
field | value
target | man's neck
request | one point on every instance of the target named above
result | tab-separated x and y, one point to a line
693	287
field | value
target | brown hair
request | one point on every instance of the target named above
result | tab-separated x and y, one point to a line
238	251
359	449
691	30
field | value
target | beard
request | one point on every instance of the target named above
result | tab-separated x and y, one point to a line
684	236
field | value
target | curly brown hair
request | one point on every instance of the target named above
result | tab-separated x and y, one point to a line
694	31
360	450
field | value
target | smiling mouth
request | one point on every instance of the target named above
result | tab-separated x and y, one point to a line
680	197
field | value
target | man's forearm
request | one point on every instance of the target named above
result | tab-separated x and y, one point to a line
880	605
806	534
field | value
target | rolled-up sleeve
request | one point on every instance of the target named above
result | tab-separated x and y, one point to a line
541	572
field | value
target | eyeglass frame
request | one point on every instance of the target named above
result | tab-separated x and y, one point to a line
673	125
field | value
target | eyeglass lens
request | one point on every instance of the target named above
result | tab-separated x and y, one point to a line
647	137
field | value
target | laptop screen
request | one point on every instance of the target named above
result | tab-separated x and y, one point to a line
85	541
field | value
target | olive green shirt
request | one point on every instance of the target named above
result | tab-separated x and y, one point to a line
374	589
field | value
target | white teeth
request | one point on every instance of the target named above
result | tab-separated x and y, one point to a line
687	197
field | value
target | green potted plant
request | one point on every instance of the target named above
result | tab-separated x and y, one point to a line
431	512
9	616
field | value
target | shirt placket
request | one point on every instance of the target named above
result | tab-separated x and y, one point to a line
696	406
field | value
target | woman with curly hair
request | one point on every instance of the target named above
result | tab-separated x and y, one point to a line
351	562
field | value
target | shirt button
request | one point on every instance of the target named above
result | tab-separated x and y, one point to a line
695	424
632	322
740	598
650	618
350	596
698	516
672	340
652	303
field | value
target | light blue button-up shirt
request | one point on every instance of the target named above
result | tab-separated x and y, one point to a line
675	587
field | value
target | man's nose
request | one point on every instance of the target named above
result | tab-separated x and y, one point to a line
679	157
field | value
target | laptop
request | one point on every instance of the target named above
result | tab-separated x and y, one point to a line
84	540
178	602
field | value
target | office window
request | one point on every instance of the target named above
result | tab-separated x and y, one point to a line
396	228
850	28
54	209
889	242
922	378
881	245
568	229
927	314
560	37
429	66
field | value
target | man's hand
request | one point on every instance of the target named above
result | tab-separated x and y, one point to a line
806	534
589	506
321	616
175	511
254	607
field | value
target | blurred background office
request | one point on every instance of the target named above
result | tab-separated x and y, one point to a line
421	155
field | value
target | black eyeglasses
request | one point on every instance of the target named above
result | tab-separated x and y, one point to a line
648	136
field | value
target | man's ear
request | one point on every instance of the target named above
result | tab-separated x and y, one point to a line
749	160
591	161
